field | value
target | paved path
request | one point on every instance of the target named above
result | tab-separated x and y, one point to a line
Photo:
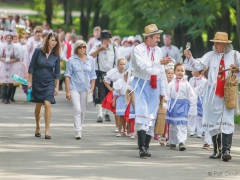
99	155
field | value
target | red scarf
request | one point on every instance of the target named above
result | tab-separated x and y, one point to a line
69	49
221	79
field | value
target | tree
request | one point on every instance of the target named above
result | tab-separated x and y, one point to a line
49	11
238	21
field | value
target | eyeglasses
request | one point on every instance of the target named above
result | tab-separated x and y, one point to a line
81	47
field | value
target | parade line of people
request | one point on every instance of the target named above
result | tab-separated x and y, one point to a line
128	77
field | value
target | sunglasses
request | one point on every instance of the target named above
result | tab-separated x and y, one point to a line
54	34
81	47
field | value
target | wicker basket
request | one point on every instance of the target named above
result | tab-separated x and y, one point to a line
161	118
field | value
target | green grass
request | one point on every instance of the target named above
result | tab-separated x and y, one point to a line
237	119
19	6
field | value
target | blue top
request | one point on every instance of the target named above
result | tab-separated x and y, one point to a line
80	73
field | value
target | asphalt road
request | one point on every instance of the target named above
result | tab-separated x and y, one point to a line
99	154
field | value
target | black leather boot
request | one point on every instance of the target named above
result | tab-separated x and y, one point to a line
13	93
226	146
148	139
9	92
142	143
4	94
0	92
216	147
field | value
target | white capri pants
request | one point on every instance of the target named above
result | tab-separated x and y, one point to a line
149	129
177	133
79	100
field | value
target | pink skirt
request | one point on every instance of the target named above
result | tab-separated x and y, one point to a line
7	70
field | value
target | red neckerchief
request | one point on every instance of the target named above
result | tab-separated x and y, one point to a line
221	79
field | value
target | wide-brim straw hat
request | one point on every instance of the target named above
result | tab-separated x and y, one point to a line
151	29
221	37
3	15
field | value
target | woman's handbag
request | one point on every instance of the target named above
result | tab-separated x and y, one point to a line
231	90
90	97
161	118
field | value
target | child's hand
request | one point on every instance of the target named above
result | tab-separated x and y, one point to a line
113	104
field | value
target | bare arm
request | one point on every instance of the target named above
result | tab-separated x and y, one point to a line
108	86
67	86
92	85
29	80
14	60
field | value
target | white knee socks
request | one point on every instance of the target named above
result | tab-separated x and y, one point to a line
99	110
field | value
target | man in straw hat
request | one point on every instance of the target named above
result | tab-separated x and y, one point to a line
4	22
218	120
148	84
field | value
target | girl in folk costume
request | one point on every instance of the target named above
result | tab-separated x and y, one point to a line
182	102
199	92
9	64
112	76
217	119
169	68
195	122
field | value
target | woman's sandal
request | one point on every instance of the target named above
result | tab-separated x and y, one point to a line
37	134
47	137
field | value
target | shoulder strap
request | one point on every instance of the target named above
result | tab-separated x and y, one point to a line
97	58
114	61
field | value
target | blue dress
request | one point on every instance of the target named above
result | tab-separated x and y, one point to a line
45	71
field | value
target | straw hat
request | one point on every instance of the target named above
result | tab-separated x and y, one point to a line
3	15
221	37
151	29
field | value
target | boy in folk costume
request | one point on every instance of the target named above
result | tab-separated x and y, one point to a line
182	103
195	122
149	84
216	118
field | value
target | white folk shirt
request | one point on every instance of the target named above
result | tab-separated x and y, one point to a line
185	91
13	24
125	51
106	58
196	81
172	51
93	42
144	67
215	115
72	47
32	44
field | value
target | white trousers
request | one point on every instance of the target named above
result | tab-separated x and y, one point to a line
79	100
207	138
195	122
177	133
149	129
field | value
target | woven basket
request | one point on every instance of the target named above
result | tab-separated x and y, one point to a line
161	118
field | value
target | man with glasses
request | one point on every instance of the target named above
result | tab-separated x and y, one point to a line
106	55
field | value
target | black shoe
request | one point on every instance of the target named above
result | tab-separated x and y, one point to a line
226	156
107	117
6	101
172	146
47	137
100	119
216	155
37	134
182	147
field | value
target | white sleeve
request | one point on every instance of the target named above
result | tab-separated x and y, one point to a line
238	64
111	75
199	63
192	98
149	67
200	89
164	82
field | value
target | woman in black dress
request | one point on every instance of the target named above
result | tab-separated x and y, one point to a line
44	74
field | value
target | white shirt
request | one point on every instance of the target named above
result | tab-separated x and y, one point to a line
172	51
185	91
72	47
196	81
32	44
125	51
6	25
13	24
106	58
93	42
47	31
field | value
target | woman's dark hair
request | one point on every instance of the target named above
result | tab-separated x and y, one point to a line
56	49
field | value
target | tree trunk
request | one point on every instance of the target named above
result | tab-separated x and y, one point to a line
49	11
97	8
84	23
238	21
67	14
